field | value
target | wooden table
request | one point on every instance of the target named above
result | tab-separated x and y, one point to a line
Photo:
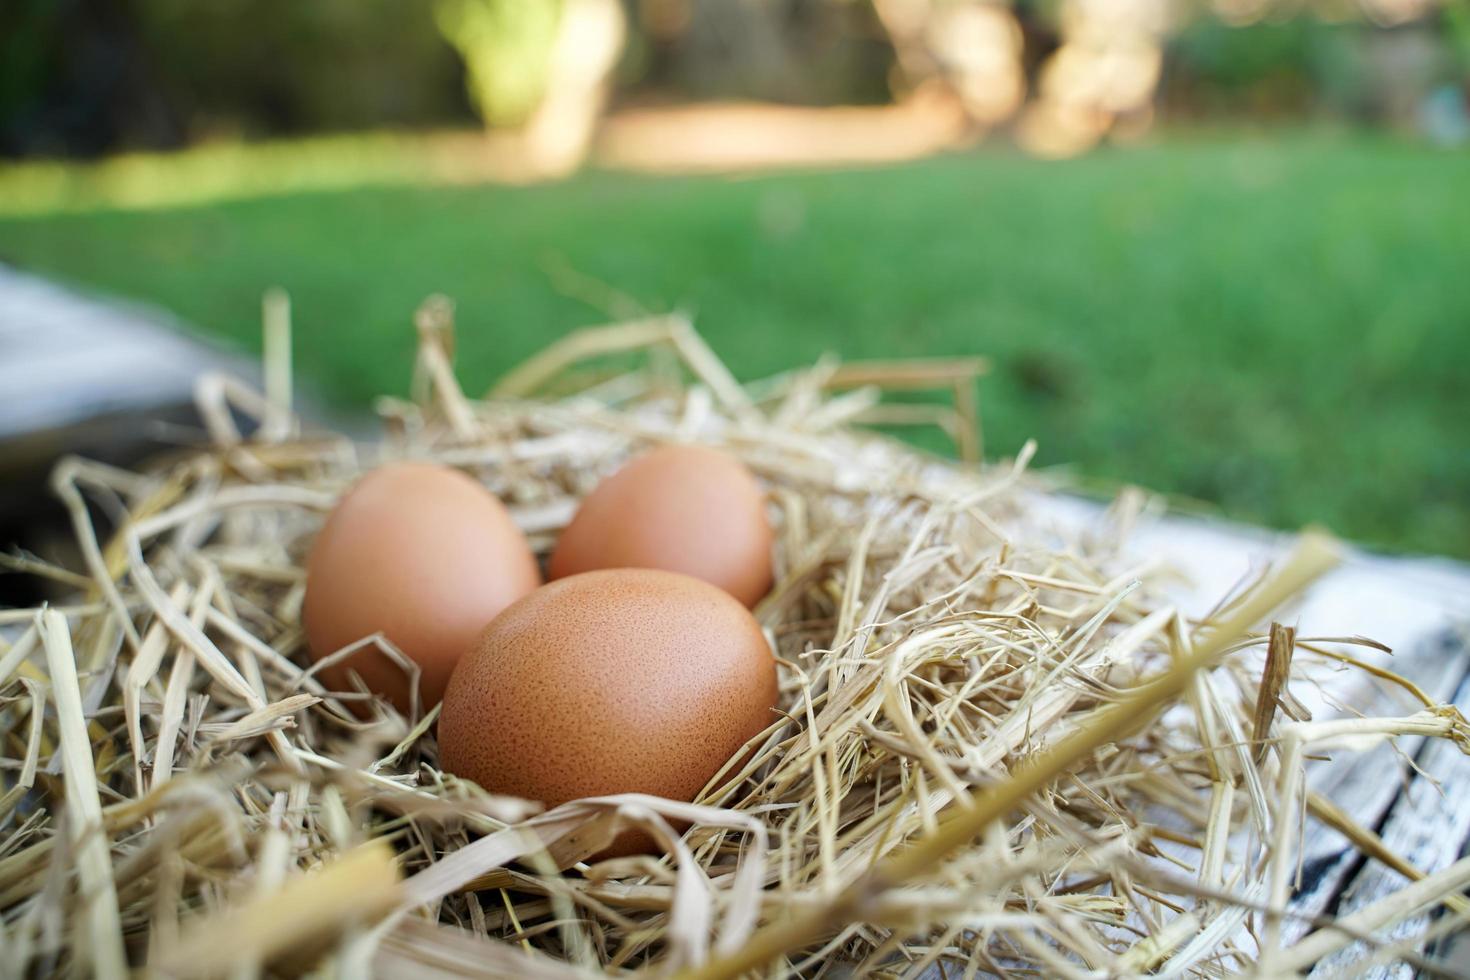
1420	607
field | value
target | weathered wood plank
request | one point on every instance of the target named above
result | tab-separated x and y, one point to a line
66	358
1420	607
1371	786
1428	824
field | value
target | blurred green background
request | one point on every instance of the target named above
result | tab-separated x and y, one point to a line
1257	299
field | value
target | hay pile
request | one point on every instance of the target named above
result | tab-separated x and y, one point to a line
998	752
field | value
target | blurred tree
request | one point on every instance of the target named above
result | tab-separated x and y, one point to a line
579	67
1266	68
273	66
1457	27
75	80
506	46
973	47
543	68
91	76
802	52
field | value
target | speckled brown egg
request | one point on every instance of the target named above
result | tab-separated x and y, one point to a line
424	554
688	509
620	681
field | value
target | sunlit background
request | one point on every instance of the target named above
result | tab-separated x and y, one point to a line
1216	248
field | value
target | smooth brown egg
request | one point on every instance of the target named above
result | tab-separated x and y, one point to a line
621	681
687	509
422	553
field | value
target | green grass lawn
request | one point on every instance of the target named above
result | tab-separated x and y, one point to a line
1280	326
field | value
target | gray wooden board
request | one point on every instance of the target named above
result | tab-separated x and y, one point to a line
1374	786
66	357
1420	607
103	378
1429	825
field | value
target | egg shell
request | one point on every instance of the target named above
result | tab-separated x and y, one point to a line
619	681
688	509
426	555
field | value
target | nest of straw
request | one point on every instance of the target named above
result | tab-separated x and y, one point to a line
998	752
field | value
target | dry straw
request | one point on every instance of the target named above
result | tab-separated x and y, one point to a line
998	751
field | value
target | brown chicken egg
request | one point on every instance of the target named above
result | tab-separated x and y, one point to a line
620	681
422	553
688	509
